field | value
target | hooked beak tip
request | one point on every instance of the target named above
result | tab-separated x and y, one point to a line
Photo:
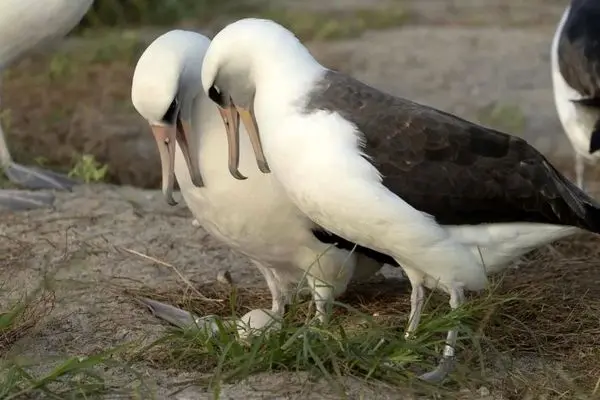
198	182
169	198
237	174
264	167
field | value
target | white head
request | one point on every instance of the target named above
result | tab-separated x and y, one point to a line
165	83
241	55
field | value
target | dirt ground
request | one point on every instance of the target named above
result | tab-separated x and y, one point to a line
460	56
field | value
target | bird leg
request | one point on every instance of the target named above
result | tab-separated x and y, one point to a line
579	170
18	200
323	295
446	364
417	298
279	294
31	177
37	178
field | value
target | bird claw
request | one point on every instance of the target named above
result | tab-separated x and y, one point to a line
445	366
37	178
441	371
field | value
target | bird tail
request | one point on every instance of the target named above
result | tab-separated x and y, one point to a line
584	206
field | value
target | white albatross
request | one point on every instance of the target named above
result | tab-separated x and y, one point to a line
281	241
25	25
575	62
449	200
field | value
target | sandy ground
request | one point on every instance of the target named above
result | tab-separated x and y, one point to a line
458	66
83	245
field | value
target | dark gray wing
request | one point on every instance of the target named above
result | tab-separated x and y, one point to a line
455	170
324	236
579	50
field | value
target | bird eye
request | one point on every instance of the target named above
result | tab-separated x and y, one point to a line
215	95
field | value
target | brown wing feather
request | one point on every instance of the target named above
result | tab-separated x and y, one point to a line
455	170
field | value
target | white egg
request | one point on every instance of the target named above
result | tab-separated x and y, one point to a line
255	322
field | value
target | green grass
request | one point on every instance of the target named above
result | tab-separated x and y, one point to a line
119	13
88	169
323	25
307	24
71	377
357	343
364	340
75	377
17	380
353	344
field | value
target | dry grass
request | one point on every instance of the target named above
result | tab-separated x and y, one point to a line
19	315
537	332
544	313
22	317
44	376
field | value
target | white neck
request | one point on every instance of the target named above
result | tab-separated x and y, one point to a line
287	76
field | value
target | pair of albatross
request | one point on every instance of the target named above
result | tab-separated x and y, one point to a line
448	200
25	25
254	216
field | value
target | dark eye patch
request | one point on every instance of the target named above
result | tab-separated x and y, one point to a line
216	96
171	113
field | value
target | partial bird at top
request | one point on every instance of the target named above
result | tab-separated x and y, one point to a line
451	201
575	56
25	25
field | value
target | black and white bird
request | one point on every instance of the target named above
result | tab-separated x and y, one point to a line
268	228
25	25
575	57
450	201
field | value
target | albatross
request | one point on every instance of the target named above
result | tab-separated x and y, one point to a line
25	25
268	228
575	63
450	201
